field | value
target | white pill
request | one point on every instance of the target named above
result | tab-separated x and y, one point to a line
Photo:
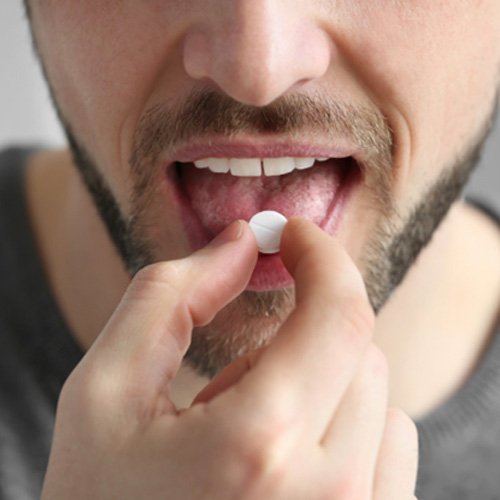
267	227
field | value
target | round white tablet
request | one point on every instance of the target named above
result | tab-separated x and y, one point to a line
267	227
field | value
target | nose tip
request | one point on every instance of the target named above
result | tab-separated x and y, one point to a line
257	58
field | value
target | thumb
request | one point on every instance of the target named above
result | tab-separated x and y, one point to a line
141	348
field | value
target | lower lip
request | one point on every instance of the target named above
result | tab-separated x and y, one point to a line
269	273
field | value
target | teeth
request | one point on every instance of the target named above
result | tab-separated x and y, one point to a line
216	165
252	167
278	166
205	163
303	163
245	167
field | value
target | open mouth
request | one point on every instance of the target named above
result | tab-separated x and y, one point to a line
214	191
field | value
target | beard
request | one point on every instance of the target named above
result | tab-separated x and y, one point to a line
251	320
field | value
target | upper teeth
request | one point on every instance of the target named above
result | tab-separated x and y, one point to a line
252	167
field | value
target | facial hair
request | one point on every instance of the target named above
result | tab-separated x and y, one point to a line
252	319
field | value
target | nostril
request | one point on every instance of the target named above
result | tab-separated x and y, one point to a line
254	56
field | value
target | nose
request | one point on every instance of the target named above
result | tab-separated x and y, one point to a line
256	50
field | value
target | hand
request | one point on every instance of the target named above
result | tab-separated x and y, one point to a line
304	418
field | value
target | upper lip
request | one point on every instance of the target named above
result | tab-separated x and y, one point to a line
261	148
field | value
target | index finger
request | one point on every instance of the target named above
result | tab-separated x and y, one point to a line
314	356
140	349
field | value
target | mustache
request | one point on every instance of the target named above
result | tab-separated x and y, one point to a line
207	112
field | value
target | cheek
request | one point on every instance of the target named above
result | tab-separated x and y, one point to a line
103	65
433	72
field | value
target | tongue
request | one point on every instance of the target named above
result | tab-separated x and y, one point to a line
218	199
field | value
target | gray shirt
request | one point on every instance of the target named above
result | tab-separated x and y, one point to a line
459	441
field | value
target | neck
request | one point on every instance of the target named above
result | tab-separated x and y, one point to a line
441	317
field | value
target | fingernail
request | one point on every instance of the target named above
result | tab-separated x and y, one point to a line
232	232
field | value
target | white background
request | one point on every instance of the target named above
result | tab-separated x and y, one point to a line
26	115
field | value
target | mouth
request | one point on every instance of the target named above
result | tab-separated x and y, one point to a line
212	187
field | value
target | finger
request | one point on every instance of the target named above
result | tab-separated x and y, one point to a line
231	375
305	370
397	464
353	438
141	348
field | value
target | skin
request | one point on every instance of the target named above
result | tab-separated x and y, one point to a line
108	71
248	434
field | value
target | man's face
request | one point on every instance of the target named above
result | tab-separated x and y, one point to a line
396	94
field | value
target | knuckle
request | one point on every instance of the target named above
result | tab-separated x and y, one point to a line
350	486
82	399
376	362
73	389
161	275
168	279
85	391
67	393
402	424
357	316
403	433
262	452
87	404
